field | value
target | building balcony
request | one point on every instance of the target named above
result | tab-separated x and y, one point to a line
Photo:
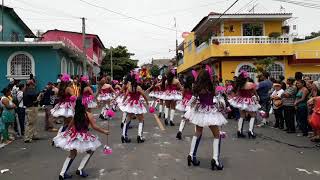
250	40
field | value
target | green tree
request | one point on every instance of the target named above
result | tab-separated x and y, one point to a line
264	64
311	36
122	62
155	71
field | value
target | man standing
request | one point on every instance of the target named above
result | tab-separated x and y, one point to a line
263	90
48	102
30	101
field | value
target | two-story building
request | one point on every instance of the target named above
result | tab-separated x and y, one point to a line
234	42
44	59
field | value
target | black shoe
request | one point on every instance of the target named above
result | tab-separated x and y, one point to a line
305	134
66	176
291	132
166	122
215	166
122	125
179	135
52	143
140	139
281	127
193	161
125	139
251	135
276	126
101	117
171	123
82	173
159	115
286	130
27	141
240	135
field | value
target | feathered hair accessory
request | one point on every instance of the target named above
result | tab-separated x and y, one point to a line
65	77
209	70
244	74
84	79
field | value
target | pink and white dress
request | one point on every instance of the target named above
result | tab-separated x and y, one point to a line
171	93
72	139
184	105
88	100
245	100
155	92
105	95
133	104
205	111
65	108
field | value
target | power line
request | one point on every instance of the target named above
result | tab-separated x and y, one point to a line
216	20
129	17
244	6
303	4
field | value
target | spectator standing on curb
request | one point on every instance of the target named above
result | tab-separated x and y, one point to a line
21	110
48	102
301	107
8	114
264	87
288	98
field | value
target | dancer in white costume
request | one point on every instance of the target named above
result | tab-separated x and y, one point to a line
133	106
184	104
246	100
86	92
65	107
78	139
106	94
204	112
171	95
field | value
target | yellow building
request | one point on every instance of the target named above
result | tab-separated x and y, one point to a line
233	42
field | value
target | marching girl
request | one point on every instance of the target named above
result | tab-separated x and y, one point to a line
106	94
171	95
161	86
205	112
119	100
133	106
65	107
87	93
184	104
155	88
246	100
78	139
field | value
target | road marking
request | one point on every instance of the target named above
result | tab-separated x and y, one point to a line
303	170
159	122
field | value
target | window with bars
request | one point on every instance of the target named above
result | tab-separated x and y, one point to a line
21	65
276	70
313	76
64	66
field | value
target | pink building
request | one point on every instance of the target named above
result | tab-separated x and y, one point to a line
94	46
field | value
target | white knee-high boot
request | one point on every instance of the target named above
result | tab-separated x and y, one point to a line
172	114
194	146
166	113
66	165
251	124
140	129
240	124
124	117
83	164
215	162
182	124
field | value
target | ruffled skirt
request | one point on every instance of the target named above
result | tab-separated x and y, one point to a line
172	96
183	105
89	101
245	103
205	116
133	107
64	109
73	140
105	97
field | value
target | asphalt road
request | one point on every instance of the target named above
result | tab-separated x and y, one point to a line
273	155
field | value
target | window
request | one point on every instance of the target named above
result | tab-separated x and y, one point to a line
276	70
79	70
252	29
64	65
313	76
190	46
20	64
250	68
71	68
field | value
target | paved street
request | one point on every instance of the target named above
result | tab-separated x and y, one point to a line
164	157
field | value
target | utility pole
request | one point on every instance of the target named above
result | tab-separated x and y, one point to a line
84	63
111	65
175	25
2	20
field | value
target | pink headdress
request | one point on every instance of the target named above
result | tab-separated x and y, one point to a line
65	77
220	89
209	69
137	77
244	74
115	81
84	79
173	71
194	74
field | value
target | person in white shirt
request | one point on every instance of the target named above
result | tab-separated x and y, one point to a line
21	109
277	105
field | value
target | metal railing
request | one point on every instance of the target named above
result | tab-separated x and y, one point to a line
251	40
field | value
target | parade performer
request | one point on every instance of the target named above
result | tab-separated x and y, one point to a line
65	107
78	139
119	99
246	100
205	112
184	105
87	93
171	95
133	106
161	86
106	94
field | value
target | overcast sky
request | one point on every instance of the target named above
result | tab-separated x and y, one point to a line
145	40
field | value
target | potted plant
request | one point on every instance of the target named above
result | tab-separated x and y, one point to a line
215	41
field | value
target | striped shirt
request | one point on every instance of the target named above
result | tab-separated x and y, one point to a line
289	101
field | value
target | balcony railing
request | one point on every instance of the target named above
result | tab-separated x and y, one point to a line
251	40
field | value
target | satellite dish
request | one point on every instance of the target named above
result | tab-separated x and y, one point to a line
0	28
